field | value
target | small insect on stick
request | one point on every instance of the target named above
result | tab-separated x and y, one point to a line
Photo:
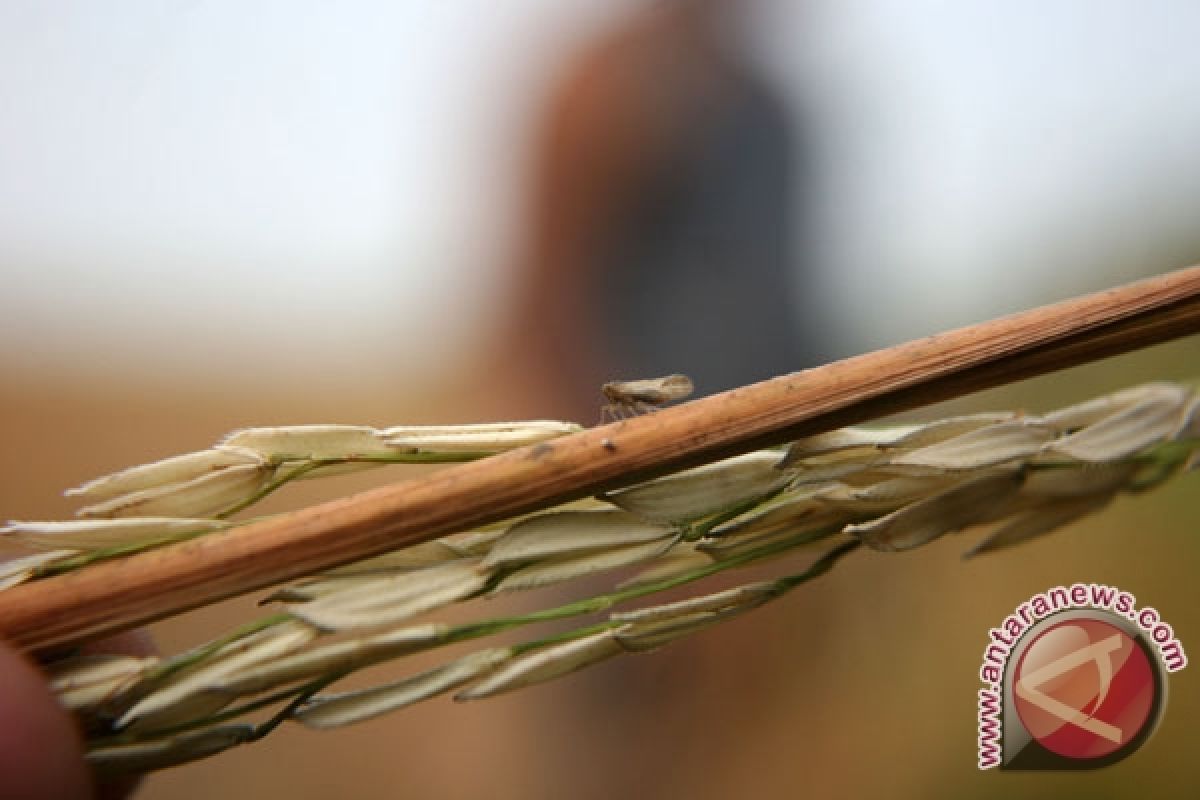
629	398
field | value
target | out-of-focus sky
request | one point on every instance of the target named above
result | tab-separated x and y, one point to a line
188	178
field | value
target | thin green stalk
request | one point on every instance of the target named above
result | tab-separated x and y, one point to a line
818	567
130	737
72	563
699	530
198	654
303	695
309	465
558	638
780	587
603	602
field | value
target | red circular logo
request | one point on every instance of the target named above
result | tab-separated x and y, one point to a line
1084	688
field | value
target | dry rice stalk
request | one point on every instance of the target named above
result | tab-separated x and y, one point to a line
107	598
890	489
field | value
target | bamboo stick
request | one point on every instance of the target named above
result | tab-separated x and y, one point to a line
121	594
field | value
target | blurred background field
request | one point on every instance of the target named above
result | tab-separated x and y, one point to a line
215	215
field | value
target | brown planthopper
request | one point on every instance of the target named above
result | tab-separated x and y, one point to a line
628	398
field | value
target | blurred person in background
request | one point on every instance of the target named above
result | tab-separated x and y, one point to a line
660	228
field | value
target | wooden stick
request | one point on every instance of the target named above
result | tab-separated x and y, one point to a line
121	594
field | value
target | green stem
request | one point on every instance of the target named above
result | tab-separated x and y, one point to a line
198	654
818	567
72	563
205	722
559	638
302	696
780	587
603	602
703	528
309	465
